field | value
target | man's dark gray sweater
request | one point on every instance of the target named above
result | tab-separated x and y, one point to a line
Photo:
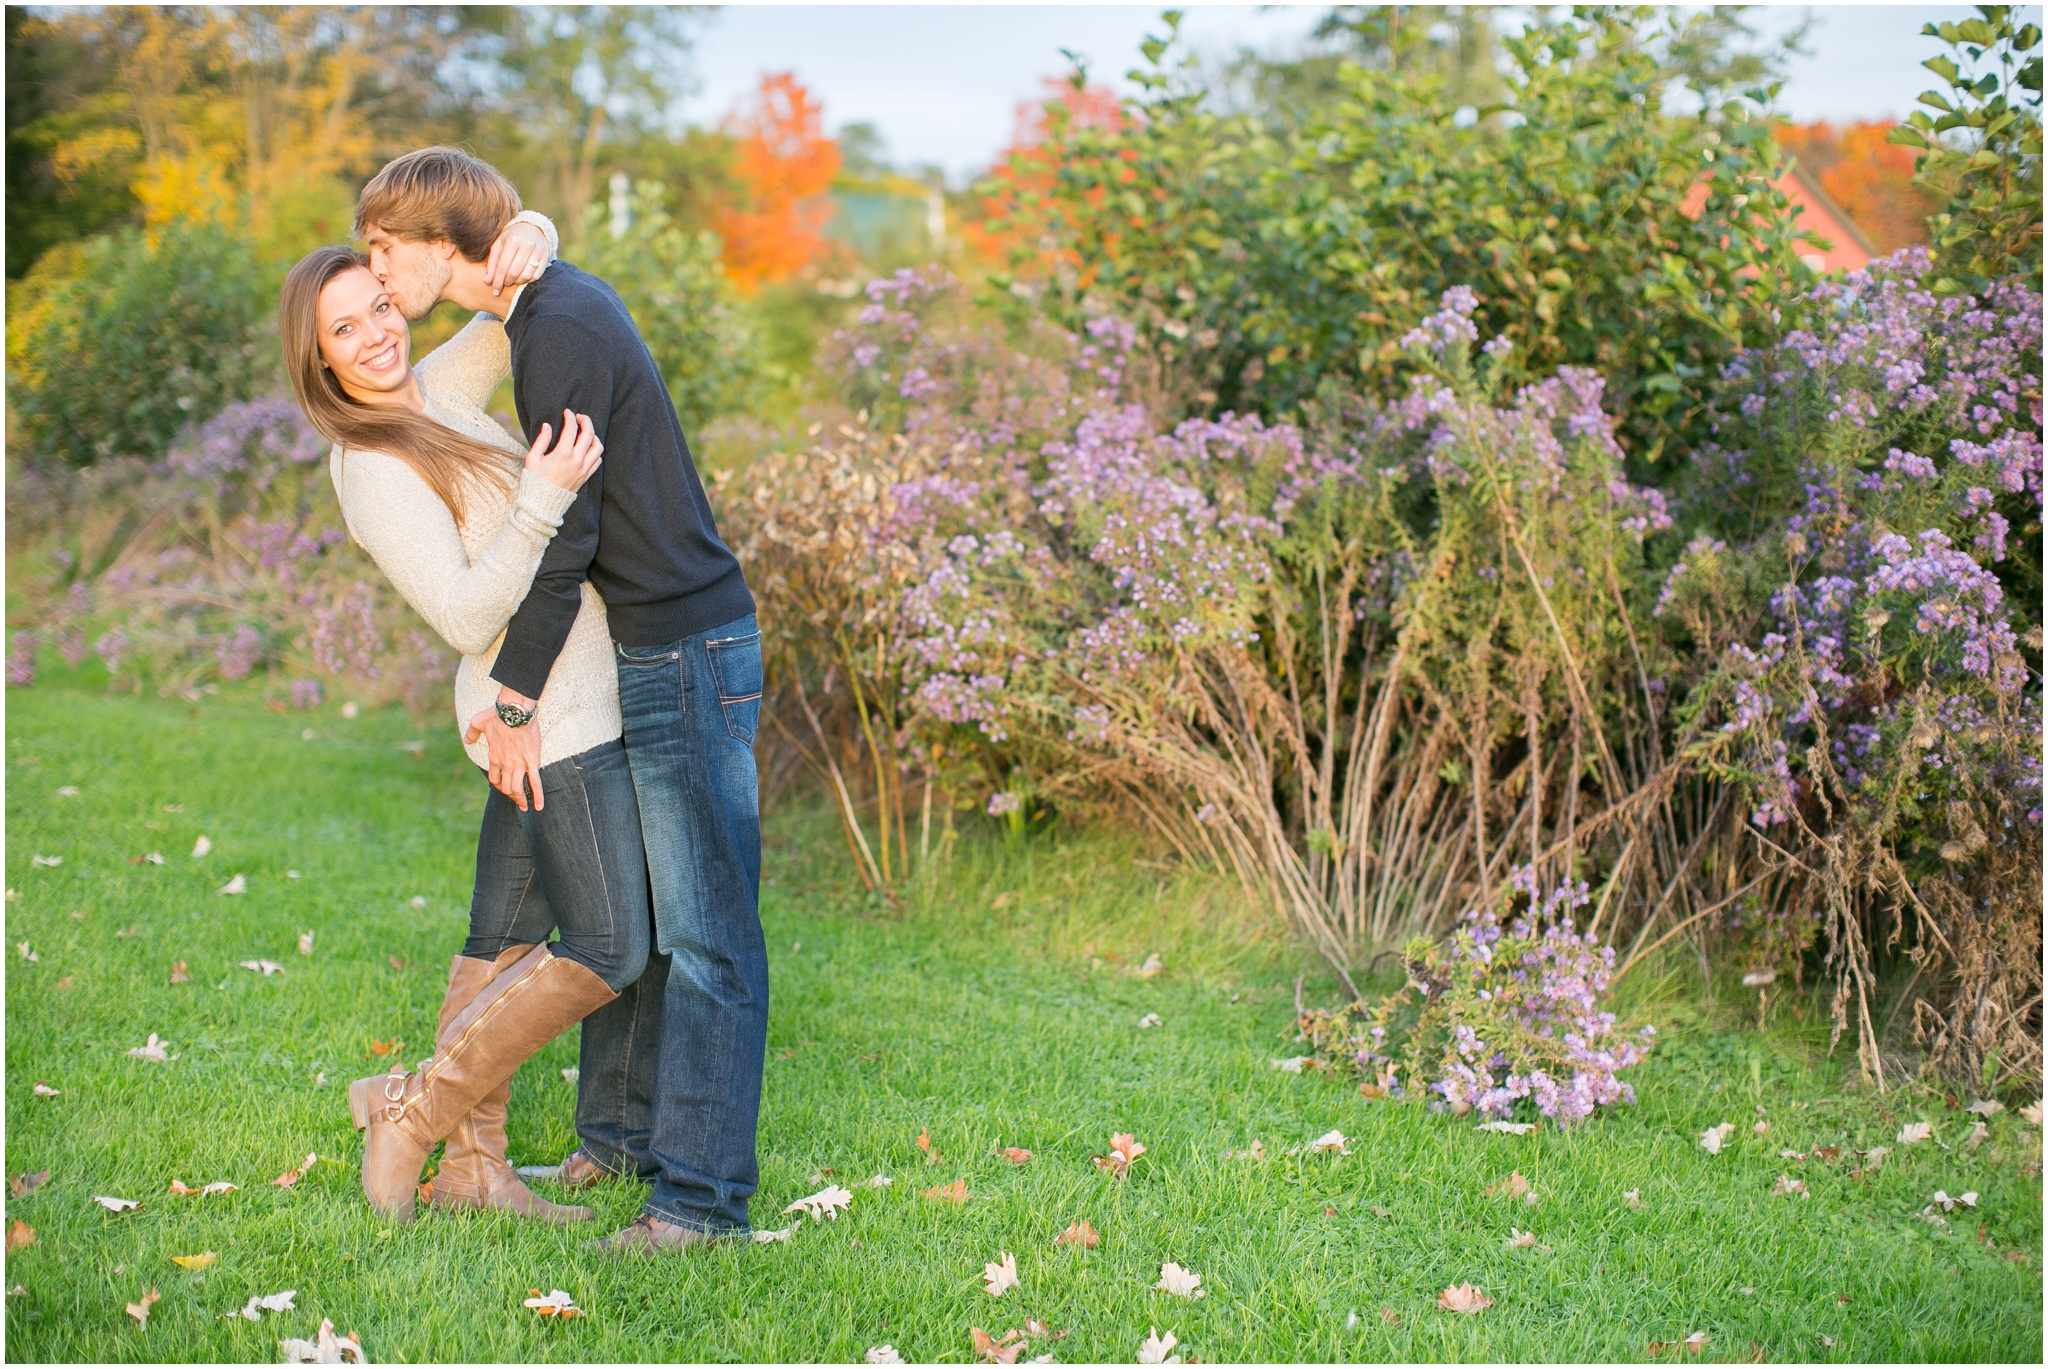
641	530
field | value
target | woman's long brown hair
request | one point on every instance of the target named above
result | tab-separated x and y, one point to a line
445	459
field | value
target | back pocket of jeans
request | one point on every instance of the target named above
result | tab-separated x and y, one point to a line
736	668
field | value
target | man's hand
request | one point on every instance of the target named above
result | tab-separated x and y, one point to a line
514	751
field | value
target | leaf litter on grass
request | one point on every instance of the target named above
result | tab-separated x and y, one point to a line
1081	1235
1463	1297
324	1348
999	1276
554	1303
1124	1148
1182	1283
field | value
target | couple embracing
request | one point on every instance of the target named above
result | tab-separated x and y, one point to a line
609	687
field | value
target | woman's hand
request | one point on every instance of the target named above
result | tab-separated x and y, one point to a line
517	257
573	459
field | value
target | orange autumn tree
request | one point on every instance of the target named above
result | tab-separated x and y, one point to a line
1015	192
1871	179
783	165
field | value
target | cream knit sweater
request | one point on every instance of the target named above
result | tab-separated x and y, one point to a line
468	580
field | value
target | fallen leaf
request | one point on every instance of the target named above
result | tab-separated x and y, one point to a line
20	1235
882	1354
1712	1138
1158	1349
1828	1153
824	1205
1757	979
1390	1316
1511	1128
66	982
1794	1155
68	791
1039	1330
1152	966
291	874
397	963
999	1276
1787	1186
1123	1149
1294	1064
27	954
989	1350
924	1143
202	1260
391	1047
1079	1234
1255	1151
152	1049
1979	1134
21	1185
1329	1143
305	943
1760	1129
1948	1204
201	847
2032	1113
266	968
1633	1197
879	1181
955	1192
1826	1341
1514	1186
1379	1211
1150	1019
238	885
419	902
764	1237
1913	1133
179	975
45	862
1986	1107
43	1090
1463	1297
116	1204
154	858
555	1303
1520	1240
324	1348
1182	1283
1691	1345
1016	1155
140	1310
1873	1159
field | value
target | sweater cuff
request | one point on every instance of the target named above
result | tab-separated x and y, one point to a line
546	226
540	504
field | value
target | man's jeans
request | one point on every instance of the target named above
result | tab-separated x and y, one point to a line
671	1070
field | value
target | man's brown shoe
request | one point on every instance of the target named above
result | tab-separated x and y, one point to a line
580	1171
647	1234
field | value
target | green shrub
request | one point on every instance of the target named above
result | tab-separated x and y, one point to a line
122	342
683	304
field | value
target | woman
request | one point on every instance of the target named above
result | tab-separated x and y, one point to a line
437	492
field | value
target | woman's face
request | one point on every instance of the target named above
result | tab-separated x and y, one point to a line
363	338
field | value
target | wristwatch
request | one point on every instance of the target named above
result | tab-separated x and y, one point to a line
512	715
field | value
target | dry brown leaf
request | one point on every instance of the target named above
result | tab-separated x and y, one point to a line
882	1354
1081	1235
2032	1113
21	1185
1634	1197
1691	1345
43	1089
1788	1187
1713	1138
324	1348
1039	1330
924	1143
999	1276
391	1047
1829	1154
1913	1133
20	1235
1016	1155
1390	1316
991	1350
824	1205
140	1310
955	1192
1152	966
1463	1297
116	1204
152	1050
1123	1149
554	1303
397	963
1514	1186
1158	1349
1182	1283
202	1260
179	975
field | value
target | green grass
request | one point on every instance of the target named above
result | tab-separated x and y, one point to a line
991	1026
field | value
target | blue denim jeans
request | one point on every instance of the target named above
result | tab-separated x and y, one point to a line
576	867
677	1058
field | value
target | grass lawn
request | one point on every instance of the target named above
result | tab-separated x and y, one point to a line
995	1012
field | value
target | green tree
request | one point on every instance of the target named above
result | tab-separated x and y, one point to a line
1983	150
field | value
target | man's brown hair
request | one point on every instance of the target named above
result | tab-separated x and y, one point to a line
439	194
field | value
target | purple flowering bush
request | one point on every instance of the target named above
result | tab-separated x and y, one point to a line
225	561
1493	1014
1867	612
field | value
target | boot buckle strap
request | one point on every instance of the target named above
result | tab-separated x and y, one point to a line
394	1094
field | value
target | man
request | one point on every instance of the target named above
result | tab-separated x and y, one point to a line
670	1081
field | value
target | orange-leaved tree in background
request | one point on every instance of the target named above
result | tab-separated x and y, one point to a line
783	165
1871	179
1014	197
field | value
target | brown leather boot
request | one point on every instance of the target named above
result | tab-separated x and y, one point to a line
403	1115
474	1171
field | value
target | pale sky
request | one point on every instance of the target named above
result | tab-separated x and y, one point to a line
942	82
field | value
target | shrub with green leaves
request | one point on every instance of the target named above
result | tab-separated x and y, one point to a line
120	343
683	305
